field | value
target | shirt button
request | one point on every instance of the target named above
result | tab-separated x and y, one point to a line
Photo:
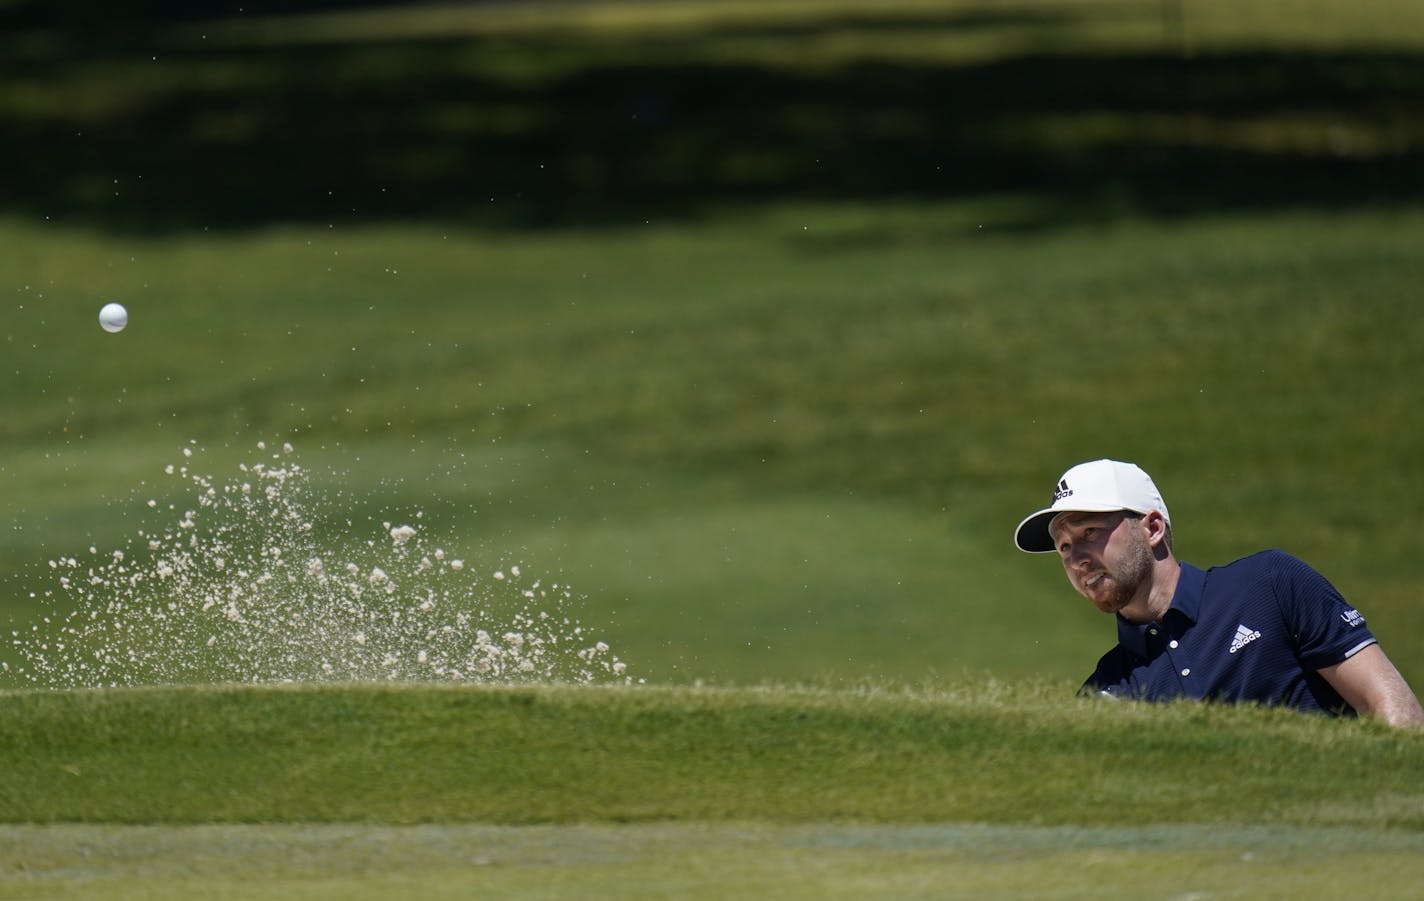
1151	631
1187	671
1172	643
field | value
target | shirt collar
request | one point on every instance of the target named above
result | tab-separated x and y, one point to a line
1186	604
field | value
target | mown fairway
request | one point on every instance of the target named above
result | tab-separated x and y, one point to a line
676	860
760	325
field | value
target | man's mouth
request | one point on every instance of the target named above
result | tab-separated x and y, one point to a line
1093	580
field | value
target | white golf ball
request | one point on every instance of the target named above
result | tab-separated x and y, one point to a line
113	317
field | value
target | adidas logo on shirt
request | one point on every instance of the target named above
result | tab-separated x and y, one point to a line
1244	636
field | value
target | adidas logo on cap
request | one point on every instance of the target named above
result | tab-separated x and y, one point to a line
1244	636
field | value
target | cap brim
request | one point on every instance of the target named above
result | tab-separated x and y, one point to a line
1032	535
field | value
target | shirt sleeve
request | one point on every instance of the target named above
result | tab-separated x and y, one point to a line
1110	678
1324	628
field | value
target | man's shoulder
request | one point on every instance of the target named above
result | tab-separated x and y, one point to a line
1263	565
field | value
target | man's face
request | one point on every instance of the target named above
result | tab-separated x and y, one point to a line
1106	556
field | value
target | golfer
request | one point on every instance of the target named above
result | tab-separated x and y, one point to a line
1266	629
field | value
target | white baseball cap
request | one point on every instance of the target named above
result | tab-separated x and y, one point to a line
1101	486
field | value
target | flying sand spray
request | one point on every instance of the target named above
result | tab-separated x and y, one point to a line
240	588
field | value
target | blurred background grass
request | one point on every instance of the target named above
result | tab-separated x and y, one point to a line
761	324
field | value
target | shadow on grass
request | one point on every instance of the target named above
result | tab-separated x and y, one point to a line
129	130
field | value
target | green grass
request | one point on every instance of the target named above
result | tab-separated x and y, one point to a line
656	792
785	445
806	305
412	754
699	861
557	113
678	860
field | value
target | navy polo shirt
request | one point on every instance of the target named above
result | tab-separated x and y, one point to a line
1253	631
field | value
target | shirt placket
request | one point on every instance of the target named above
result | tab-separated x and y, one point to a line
1177	658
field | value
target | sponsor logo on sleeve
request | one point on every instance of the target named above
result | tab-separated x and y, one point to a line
1352	618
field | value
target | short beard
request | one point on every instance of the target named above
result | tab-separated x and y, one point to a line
1135	569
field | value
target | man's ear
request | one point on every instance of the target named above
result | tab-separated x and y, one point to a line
1156	525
